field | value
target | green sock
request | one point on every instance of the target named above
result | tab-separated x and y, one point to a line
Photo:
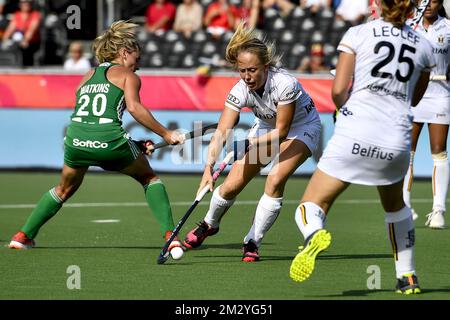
158	201
46	208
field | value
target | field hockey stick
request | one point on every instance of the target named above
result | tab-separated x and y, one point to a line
418	14
193	134
164	255
144	144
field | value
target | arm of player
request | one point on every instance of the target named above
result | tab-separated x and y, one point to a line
341	83
227	121
141	114
285	114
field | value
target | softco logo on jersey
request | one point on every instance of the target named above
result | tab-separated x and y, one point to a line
89	144
372	152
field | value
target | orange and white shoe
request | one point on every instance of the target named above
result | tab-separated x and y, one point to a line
21	241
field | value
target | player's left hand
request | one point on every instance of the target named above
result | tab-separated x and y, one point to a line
146	146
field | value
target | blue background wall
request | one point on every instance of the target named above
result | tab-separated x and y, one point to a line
34	139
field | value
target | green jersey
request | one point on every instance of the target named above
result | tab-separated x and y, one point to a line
98	100
95	135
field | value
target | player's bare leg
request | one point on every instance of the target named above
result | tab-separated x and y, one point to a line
157	198
400	228
310	216
292	154
440	176
408	181
48	206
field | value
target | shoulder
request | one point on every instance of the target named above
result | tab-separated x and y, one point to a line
445	22
281	78
238	95
240	88
121	77
86	77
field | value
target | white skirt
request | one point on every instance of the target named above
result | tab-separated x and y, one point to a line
354	161
432	110
308	133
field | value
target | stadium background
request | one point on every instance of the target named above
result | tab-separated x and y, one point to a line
118	260
35	102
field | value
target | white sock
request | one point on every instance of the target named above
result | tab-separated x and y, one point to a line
266	213
217	208
400	228
310	218
440	180
407	183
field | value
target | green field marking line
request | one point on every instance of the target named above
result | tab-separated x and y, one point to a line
186	203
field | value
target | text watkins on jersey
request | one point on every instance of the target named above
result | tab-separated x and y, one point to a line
389	31
95	88
372	152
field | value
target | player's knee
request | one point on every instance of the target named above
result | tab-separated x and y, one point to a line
437	148
439	155
275	184
229	190
64	193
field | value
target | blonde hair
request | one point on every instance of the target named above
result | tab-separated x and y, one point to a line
246	40
121	34
396	11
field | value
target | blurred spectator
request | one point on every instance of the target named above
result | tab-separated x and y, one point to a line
160	15
76	61
188	17
374	9
220	17
24	29
315	5
353	12
315	63
284	7
249	11
3	22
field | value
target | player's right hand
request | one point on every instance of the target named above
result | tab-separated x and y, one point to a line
173	137
207	179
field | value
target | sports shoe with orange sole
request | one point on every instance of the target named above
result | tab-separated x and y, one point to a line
21	241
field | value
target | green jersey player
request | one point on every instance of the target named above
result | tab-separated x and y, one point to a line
95	136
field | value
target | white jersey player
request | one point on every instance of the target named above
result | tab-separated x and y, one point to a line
390	64
434	109
280	89
285	119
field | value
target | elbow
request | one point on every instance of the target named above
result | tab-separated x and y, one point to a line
132	108
339	96
337	93
282	134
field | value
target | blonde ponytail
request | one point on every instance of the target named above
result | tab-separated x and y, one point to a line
396	11
246	40
121	34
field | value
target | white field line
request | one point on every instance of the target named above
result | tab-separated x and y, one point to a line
187	203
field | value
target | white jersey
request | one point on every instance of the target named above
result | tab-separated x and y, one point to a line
281	88
388	63
439	36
